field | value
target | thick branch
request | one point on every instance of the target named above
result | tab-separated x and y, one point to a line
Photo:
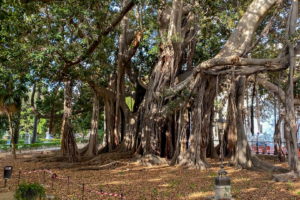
274	88
265	31
202	67
95	44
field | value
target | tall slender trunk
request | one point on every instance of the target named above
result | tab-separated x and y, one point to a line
275	121
12	136
93	141
290	118
35	123
243	155
211	145
252	105
68	141
257	111
277	137
17	127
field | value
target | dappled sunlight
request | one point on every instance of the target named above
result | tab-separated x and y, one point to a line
161	182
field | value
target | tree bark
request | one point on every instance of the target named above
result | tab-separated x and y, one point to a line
230	134
211	145
68	141
92	149
277	138
11	135
17	127
35	125
36	121
291	139
195	156
245	157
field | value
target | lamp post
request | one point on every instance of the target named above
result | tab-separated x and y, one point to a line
222	182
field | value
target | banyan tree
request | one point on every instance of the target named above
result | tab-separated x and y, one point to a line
174	99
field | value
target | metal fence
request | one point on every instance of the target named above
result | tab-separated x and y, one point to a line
266	147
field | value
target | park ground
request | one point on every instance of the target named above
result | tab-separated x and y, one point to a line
156	182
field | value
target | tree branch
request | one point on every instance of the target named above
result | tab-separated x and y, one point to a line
271	87
96	43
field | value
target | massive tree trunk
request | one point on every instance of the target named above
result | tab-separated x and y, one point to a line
17	127
195	156
68	141
161	104
230	134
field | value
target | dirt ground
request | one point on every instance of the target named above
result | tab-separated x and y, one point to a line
159	182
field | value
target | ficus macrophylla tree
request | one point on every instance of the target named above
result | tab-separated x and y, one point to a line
174	98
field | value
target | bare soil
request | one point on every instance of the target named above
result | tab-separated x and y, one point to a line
157	182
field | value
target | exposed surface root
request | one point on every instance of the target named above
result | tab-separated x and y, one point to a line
257	163
149	160
200	165
285	177
107	166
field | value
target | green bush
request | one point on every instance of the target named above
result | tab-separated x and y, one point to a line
100	136
30	146
50	140
3	141
39	140
28	191
21	141
85	140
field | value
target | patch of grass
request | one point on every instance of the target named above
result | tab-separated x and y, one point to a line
166	193
247	181
290	185
155	192
213	175
192	185
173	183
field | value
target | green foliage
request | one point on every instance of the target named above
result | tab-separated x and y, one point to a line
27	191
100	135
3	141
173	184
30	146
130	103
192	185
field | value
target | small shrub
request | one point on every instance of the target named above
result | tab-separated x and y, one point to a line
28	191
